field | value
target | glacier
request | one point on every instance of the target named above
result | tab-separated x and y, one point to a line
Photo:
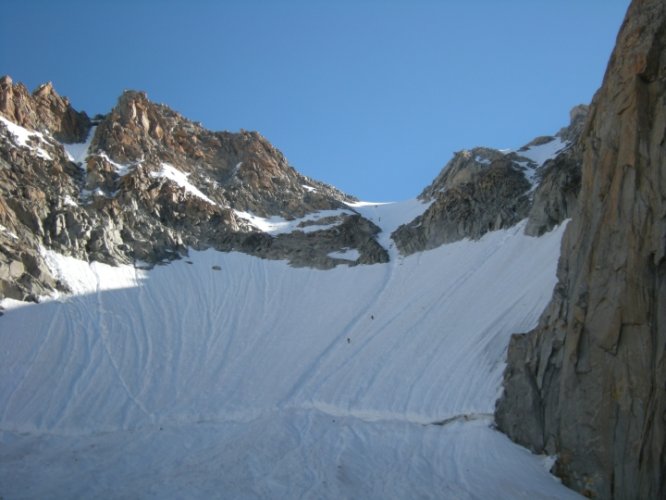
223	375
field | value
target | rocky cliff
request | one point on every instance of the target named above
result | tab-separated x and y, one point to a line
42	110
143	184
589	384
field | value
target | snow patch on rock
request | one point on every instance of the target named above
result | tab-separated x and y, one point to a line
180	178
22	136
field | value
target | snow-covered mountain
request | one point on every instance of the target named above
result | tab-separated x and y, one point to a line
290	347
144	184
186	316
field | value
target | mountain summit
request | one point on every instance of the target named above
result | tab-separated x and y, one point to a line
143	183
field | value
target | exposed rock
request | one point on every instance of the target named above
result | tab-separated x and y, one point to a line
476	199
44	110
313	249
589	383
556	196
485	189
244	169
152	185
577	120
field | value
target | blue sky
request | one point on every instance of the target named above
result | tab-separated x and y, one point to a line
371	96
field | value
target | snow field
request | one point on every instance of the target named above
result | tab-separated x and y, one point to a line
259	380
299	454
539	155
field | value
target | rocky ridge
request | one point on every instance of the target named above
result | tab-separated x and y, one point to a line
44	109
588	383
485	189
144	184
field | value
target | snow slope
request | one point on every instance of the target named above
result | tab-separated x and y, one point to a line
540	154
233	377
78	151
389	216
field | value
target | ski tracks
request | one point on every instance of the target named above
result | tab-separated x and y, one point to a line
337	341
104	333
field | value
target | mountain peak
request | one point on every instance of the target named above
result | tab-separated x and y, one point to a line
45	90
143	183
44	110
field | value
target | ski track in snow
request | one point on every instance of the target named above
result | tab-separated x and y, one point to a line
259	380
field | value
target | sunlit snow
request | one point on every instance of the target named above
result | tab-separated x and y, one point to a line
389	216
68	200
275	224
8	232
83	277
538	155
180	178
123	170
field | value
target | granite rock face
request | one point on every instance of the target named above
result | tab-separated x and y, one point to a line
589	384
148	184
483	189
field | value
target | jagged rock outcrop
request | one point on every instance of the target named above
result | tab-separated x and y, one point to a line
148	185
475	198
484	189
589	384
43	110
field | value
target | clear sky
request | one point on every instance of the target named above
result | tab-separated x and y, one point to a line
371	96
